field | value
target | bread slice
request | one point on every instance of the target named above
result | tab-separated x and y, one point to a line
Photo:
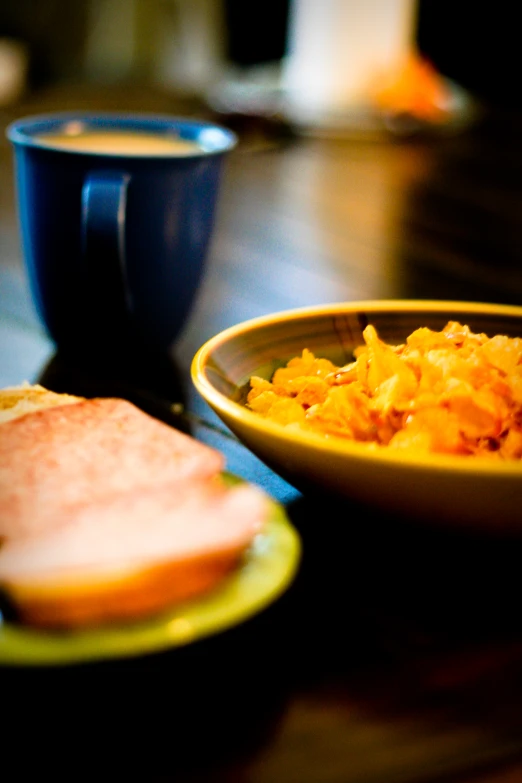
107	514
134	554
58	458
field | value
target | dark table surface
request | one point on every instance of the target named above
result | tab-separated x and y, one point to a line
396	654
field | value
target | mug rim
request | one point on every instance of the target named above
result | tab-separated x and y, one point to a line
24	131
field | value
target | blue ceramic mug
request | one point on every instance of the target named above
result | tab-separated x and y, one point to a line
116	213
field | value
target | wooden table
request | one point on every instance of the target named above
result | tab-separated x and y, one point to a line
396	655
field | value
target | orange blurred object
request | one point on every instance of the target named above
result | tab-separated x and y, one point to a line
417	90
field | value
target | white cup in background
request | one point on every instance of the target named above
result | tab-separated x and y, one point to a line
336	51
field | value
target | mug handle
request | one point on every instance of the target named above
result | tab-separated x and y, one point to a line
104	201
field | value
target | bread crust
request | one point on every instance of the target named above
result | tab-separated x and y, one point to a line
16	401
120	598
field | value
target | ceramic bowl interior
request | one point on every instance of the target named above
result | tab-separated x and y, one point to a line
444	488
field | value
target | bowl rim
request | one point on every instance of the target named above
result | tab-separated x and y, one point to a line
364	452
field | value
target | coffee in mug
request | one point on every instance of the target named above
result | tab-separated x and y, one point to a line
125	142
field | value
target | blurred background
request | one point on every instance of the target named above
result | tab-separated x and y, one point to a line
433	79
436	76
234	55
184	46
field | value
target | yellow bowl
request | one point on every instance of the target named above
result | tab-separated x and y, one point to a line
447	489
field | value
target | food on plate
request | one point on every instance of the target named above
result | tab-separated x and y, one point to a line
450	392
107	514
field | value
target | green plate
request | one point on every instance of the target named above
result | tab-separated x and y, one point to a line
269	567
